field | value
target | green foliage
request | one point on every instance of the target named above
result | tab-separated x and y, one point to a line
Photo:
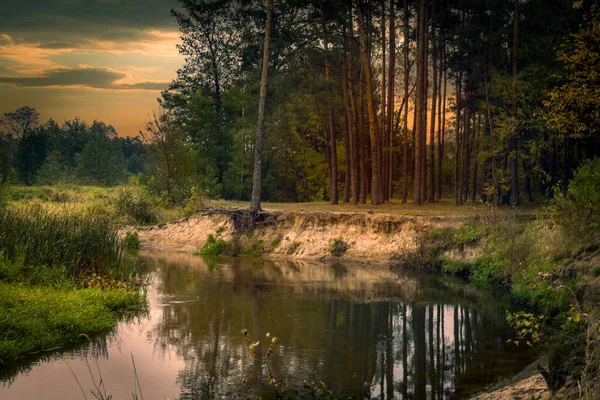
101	162
485	270
137	207
338	247
455	267
53	171
81	243
132	240
214	246
572	107
529	327
579	211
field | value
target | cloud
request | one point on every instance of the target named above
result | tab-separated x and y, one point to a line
5	40
60	21
92	77
59	45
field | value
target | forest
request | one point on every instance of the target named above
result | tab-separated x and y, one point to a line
470	101
437	160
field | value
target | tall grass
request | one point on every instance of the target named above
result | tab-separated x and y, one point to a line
82	243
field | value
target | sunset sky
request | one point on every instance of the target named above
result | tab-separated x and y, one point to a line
93	59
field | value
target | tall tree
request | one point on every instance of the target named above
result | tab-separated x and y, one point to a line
390	101
332	145
420	104
514	160
405	129
260	128
434	51
366	67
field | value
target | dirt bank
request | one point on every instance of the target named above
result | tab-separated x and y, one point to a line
309	235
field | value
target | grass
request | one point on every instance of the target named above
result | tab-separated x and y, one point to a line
393	207
123	205
62	275
83	243
41	318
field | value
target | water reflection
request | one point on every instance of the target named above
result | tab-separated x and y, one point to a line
361	329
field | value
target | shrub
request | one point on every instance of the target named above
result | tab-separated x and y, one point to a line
579	210
338	247
214	246
255	247
132	240
136	207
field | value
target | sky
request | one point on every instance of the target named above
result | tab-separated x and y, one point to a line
104	60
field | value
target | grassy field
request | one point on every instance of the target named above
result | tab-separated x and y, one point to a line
128	205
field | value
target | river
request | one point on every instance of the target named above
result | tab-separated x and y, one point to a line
359	328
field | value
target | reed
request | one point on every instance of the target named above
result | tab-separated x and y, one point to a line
82	243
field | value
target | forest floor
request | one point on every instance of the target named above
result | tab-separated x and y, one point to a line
393	207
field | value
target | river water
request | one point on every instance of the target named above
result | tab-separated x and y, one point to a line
359	328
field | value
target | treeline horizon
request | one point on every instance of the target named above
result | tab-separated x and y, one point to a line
501	95
72	152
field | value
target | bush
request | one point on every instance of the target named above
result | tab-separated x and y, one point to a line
214	246
132	240
579	210
136	207
338	247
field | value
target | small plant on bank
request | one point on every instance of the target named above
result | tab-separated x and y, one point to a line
214	246
338	247
132	240
255	246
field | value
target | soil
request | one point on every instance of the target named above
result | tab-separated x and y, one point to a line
301	235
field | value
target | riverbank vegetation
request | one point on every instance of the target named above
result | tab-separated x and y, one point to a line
63	278
546	265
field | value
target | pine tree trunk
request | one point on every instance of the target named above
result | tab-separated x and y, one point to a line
332	143
356	163
441	123
406	76
347	142
375	177
383	155
390	102
457	140
349	182
420	102
260	129
432	123
514	161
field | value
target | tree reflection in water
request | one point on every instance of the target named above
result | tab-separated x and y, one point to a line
362	330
